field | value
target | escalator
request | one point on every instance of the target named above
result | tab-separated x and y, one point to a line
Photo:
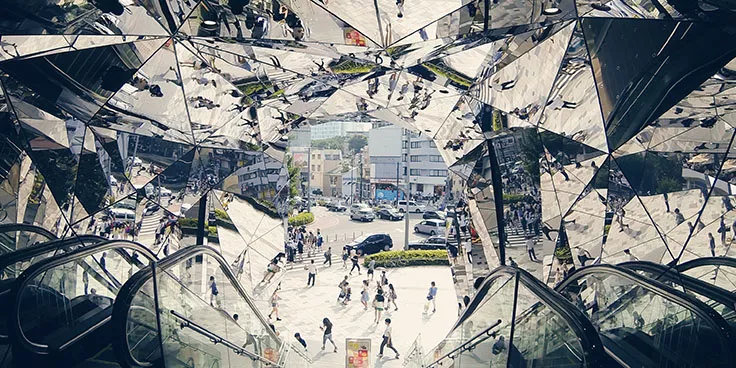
61	306
516	321
719	271
19	236
721	300
645	321
14	263
193	328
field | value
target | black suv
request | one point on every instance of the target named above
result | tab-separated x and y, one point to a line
371	243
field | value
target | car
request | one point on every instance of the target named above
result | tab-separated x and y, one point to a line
337	208
358	206
122	214
434	242
413	207
390	214
113	181
431	227
164	192
371	243
365	214
437	215
151	208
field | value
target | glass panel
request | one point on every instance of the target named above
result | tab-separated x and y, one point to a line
640	326
497	305
141	330
721	276
63	301
542	337
191	316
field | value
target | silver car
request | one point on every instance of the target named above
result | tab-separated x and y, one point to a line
365	214
431	227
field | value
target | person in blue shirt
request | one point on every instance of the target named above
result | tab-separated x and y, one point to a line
431	296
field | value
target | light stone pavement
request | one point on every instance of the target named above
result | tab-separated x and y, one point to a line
302	310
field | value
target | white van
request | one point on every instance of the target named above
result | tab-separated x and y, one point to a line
413	207
122	214
431	227
355	207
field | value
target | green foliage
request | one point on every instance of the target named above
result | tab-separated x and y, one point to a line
531	151
212	231
303	218
442	70
221	214
407	258
187	222
357	142
512	198
335	143
563	253
348	66
294	176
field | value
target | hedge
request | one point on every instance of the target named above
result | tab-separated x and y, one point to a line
187	222
303	218
222	215
512	198
410	258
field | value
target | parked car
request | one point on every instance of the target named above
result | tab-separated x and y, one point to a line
371	243
337	208
437	215
431	227
390	214
122	214
365	214
434	242
413	207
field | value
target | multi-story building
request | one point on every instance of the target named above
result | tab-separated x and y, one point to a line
339	129
321	164
389	151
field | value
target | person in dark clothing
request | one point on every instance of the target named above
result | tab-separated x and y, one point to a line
327	328
387	341
301	341
356	264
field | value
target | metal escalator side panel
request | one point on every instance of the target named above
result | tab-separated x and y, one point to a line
648	321
721	300
85	283
514	320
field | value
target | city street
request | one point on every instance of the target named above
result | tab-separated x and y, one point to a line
338	228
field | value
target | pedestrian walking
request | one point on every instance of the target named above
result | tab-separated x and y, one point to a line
431	296
328	257
371	268
583	256
384	279
320	241
275	305
530	249
343	285
355	259
301	341
312	270
327	333
378	304
632	257
344	257
469	250
387	340
85	279
102	261
214	292
364	296
712	243
392	297
348	294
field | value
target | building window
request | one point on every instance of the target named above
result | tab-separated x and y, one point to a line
416	144
435	158
438	173
312	167
414	172
415	158
432	144
403	158
404	144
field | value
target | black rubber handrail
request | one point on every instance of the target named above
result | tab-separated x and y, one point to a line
131	288
27	253
706	261
6	228
691	303
593	351
700	287
15	330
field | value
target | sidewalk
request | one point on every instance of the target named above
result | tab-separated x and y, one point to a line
302	310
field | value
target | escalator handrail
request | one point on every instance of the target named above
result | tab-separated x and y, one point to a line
5	228
41	248
706	261
130	289
14	323
693	304
582	328
215	338
690	283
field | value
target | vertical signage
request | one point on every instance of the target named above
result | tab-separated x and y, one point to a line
358	353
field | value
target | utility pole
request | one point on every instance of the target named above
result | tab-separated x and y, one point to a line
360	186
309	178
397	183
408	190
352	183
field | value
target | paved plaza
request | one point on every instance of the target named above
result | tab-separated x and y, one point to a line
302	309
